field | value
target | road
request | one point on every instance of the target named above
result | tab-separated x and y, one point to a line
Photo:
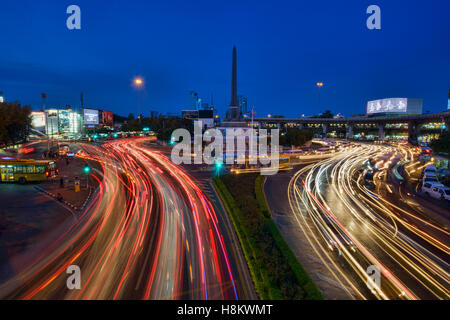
149	233
350	224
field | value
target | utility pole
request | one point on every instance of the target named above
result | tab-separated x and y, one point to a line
44	96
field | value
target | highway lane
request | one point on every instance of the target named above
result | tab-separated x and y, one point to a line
150	233
352	227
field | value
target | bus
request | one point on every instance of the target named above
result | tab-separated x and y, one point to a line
26	170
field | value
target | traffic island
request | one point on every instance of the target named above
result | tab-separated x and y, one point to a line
74	185
275	270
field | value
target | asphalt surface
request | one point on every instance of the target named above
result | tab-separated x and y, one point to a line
323	274
149	233
29	220
351	224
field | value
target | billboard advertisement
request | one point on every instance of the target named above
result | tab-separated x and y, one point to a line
38	120
90	117
393	105
107	117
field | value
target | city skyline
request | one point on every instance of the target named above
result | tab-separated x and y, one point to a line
96	60
225	159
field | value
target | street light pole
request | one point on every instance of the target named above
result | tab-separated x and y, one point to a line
138	83
319	85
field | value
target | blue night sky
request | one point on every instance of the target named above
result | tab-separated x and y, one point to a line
284	48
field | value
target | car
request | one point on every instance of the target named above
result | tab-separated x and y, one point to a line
430	179
440	192
446	194
430	171
436	190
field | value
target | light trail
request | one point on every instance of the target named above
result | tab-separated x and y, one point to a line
149	233
338	213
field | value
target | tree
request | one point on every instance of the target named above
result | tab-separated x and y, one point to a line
324	115
163	126
15	123
442	144
296	137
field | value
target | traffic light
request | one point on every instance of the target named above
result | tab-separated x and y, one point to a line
218	166
87	169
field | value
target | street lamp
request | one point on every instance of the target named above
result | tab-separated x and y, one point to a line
138	82
319	85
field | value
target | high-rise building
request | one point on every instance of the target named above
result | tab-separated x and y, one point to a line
243	107
448	107
233	110
196	101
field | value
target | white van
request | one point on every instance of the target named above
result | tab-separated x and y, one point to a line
436	190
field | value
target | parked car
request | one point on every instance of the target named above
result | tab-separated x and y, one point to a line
430	171
430	179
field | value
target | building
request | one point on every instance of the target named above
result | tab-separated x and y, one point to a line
69	124
189	114
417	129
196	102
66	123
205	116
448	107
243	106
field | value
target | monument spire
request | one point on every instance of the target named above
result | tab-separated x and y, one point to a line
234	80
233	111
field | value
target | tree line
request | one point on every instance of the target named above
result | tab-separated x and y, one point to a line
162	125
296	137
442	144
15	123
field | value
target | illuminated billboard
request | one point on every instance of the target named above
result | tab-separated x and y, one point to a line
107	117
38	120
90	116
395	106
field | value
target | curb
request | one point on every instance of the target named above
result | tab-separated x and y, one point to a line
64	201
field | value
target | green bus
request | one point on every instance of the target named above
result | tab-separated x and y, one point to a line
26	170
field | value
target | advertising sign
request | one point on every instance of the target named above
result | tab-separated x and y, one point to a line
38	119
90	116
107	117
392	105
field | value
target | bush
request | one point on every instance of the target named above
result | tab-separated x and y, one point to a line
275	270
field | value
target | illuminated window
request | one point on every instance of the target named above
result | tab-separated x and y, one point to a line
40	169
